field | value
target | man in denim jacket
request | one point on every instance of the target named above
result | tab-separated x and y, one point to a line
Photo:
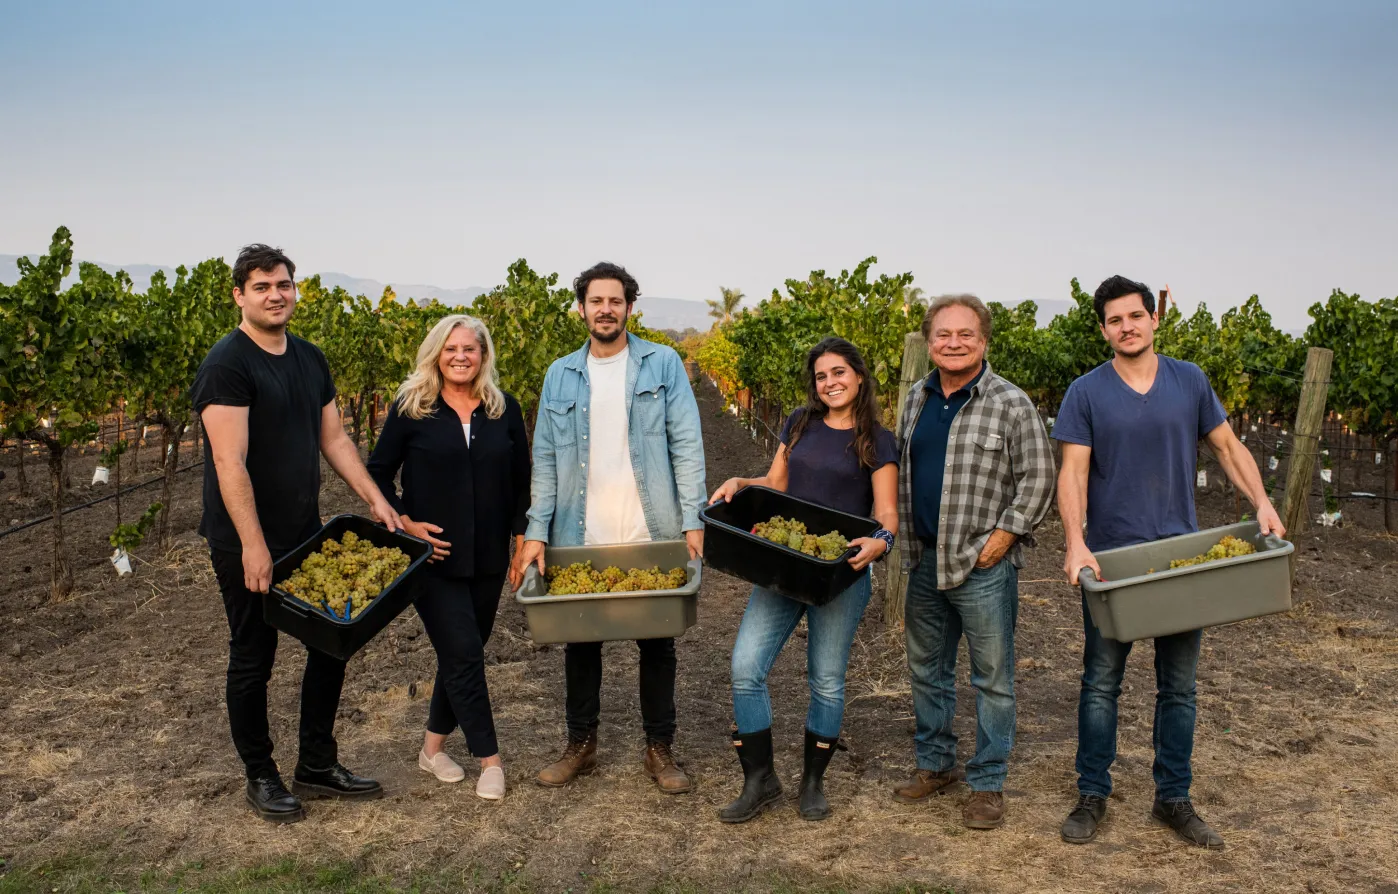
618	458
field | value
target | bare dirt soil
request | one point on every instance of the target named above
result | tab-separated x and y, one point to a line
114	742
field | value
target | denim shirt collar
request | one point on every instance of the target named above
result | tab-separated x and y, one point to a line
639	348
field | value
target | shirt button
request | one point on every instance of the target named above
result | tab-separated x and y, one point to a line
580	493
585	438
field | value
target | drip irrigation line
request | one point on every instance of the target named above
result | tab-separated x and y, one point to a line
112	496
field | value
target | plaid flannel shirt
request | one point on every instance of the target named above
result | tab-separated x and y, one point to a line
999	474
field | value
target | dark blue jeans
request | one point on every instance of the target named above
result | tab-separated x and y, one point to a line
1104	664
767	624
984	608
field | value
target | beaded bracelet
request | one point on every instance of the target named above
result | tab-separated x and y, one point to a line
886	537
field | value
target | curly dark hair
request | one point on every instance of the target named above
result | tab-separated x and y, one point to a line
866	414
607	270
1116	287
259	257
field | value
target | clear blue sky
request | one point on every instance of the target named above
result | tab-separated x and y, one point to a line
1000	148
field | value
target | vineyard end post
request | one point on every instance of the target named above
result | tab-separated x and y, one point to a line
1305	442
914	368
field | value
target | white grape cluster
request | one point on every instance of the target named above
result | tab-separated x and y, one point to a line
581	578
792	534
1226	548
349	572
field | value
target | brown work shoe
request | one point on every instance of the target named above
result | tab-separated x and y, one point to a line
925	784
985	810
579	759
661	766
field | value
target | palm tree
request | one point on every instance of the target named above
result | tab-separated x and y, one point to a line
723	309
911	295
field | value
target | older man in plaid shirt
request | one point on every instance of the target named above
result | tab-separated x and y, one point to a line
975	478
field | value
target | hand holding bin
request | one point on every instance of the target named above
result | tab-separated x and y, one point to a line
316	627
602	617
1143	597
730	546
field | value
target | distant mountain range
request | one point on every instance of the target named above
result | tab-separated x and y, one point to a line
677	314
660	313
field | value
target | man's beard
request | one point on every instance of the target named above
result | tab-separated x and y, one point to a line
611	336
1132	355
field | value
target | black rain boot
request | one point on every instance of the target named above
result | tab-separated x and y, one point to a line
761	786
819	750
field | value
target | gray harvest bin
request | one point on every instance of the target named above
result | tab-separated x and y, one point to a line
1132	604
601	617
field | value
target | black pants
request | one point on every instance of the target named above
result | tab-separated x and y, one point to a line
252	649
582	668
459	614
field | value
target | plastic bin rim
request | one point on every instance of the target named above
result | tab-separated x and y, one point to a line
694	565
748	535
327	616
1091	584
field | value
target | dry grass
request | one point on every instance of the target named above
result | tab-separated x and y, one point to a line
113	738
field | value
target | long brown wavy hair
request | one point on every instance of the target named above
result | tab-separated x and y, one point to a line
866	417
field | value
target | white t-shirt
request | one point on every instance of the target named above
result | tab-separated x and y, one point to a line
614	513
466	427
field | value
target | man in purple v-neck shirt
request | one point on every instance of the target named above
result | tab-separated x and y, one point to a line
1130	431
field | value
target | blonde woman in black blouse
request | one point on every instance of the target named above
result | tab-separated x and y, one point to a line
460	444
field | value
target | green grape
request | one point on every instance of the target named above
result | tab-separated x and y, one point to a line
1227	548
792	534
580	577
349	572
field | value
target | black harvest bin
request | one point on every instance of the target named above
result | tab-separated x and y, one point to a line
316	628
730	545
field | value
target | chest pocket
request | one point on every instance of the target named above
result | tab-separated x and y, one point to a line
561	419
648	408
989	444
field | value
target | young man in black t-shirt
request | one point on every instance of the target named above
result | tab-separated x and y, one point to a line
267	403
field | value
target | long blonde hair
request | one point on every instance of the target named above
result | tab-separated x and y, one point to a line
418	394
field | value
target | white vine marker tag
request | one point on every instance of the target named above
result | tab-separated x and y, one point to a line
100	475
122	562
1325	475
1272	464
1202	479
1378	459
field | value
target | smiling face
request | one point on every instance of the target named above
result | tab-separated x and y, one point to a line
1127	326
267	299
957	344
460	360
836	384
604	309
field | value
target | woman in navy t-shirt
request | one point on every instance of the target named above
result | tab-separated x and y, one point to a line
833	452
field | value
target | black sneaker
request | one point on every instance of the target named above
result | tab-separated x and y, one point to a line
334	782
273	802
1180	816
1081	825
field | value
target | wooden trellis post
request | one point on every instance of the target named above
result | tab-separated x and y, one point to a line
914	368
1305	442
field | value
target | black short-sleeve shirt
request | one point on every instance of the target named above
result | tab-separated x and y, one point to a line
823	467
284	394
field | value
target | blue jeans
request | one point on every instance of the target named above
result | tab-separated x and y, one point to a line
767	624
1103	666
985	608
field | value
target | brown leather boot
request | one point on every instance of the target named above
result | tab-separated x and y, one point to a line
579	759
925	784
661	766
985	810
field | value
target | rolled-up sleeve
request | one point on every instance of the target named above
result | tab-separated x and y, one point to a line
1031	457
683	432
